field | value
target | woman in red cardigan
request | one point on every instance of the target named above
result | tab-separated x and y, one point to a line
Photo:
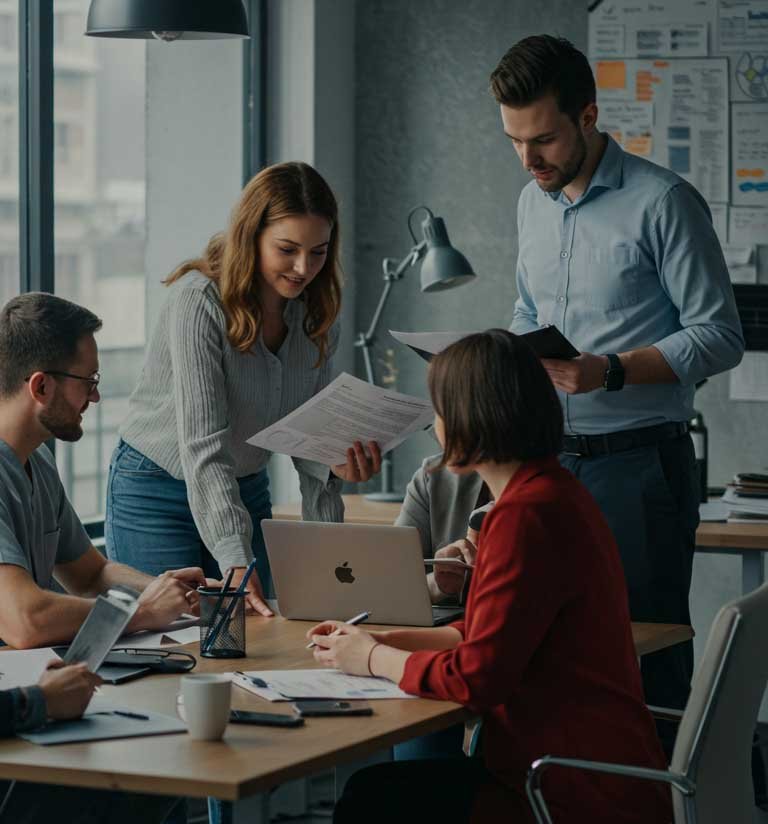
545	653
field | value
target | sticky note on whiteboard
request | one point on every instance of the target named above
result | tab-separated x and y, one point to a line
611	74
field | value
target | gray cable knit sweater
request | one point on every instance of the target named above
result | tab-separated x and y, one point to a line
198	399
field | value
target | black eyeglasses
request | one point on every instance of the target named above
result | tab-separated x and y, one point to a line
93	381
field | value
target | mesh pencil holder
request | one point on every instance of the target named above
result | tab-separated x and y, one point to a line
222	623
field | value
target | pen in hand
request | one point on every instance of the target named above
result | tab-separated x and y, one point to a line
358	619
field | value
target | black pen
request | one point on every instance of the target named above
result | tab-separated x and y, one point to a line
127	714
358	619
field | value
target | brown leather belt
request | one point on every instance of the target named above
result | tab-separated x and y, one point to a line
593	446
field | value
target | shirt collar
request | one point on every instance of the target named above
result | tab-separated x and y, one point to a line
607	175
531	469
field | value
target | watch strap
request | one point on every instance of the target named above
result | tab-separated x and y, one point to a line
614	374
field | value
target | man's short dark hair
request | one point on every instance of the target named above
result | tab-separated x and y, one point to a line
542	65
496	400
39	332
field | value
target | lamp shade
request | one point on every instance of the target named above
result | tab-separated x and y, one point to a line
443	267
167	19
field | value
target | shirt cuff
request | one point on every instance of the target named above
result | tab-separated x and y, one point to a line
34	715
233	551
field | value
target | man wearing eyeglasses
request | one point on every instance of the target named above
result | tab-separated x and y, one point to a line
48	378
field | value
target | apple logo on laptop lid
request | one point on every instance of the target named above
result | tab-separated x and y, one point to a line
344	573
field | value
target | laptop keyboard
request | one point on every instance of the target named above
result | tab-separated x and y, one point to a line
444	615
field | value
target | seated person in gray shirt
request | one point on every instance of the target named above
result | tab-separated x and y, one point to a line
48	377
439	503
62	693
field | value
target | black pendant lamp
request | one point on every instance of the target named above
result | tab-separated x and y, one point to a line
167	20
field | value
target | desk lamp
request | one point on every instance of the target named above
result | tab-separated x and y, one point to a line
442	267
167	20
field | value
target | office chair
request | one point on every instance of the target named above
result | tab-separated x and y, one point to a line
710	771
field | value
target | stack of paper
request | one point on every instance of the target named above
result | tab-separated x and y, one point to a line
747	498
286	685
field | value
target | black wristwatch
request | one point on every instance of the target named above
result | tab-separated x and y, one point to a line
614	374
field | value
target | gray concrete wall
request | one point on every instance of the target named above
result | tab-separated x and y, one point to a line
428	131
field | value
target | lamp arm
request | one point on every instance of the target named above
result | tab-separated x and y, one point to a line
365	339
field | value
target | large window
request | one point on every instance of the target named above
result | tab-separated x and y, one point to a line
99	190
9	150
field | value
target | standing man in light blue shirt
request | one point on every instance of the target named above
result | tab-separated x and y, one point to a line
621	256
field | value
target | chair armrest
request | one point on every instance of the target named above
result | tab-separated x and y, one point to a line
666	713
533	783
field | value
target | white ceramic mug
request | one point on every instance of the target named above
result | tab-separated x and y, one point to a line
207	699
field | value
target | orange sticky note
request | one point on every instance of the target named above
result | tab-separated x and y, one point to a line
611	74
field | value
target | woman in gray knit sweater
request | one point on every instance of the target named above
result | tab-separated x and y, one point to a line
246	335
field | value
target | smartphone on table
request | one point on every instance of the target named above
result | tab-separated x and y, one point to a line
310	707
265	719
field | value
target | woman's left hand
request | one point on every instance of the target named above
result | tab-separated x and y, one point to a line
342	646
359	467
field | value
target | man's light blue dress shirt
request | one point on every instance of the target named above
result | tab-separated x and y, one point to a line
633	262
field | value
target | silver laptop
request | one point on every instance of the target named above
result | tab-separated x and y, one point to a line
323	570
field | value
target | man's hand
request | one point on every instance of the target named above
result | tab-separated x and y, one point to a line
342	646
67	689
191	577
254	600
449	579
582	374
359	467
165	598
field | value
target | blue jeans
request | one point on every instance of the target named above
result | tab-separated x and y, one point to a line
150	527
149	524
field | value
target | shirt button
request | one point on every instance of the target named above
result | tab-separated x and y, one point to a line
560	298
563	254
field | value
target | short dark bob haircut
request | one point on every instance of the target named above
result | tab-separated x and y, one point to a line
542	65
496	400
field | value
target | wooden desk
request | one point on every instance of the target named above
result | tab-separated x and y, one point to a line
250	759
749	541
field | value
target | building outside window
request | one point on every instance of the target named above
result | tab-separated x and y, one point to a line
99	190
9	151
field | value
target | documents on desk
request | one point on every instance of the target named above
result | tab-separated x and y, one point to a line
286	685
20	668
746	507
150	640
347	410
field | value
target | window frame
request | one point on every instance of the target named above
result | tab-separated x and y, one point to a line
36	140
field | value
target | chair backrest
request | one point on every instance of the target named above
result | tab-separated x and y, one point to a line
714	742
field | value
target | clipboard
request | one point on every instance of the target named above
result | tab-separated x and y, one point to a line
546	341
101	723
104	624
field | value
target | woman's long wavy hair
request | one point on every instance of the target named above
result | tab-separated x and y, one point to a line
232	257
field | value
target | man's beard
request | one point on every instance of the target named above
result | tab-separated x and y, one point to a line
569	171
57	419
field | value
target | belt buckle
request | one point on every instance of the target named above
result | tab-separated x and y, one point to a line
582	446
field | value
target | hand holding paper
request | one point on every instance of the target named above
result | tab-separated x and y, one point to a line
347	410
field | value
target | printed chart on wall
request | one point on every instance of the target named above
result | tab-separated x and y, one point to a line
749	179
650	28
743	35
674	112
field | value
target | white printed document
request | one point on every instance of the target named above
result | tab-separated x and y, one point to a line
287	685
347	410
21	668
